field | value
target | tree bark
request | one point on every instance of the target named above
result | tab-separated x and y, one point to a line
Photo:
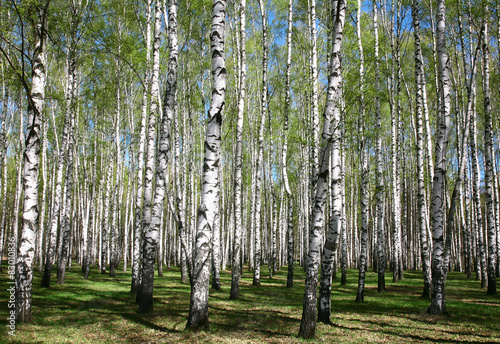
488	162
438	304
36	98
330	140
260	154
151	228
140	160
419	108
364	166
289	197
198	310
235	266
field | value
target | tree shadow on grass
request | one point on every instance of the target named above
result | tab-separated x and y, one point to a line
407	337
142	320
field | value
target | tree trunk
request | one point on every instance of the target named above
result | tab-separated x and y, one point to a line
64	234
364	167
198	308
438	305
379	192
238	160
140	161
260	154
419	108
36	98
153	213
289	197
488	164
330	140
150	236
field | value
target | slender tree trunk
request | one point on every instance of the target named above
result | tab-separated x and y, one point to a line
314	96
56	205
235	266
364	167
488	163
127	227
140	161
90	239
64	234
379	192
152	231
289	197
438	305
260	154
105	221
331	141
419	108
481	258
150	236
115	224
210	196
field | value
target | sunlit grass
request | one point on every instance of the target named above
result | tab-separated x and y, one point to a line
101	310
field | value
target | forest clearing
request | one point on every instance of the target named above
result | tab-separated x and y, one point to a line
101	310
342	155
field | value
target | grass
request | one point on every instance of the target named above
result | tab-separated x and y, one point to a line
101	310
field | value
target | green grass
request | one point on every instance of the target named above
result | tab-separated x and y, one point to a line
101	310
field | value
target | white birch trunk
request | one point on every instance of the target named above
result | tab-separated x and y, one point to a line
438	305
289	196
364	191
260	154
140	160
419	108
379	192
488	163
331	142
36	98
150	237
210	195
238	159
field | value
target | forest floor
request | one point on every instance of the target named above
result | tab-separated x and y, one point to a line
101	310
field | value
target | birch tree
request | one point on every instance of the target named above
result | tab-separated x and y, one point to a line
422	204
260	154
210	194
379	192
151	228
488	162
438	305
364	165
236	267
330	141
36	98
289	196
140	159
